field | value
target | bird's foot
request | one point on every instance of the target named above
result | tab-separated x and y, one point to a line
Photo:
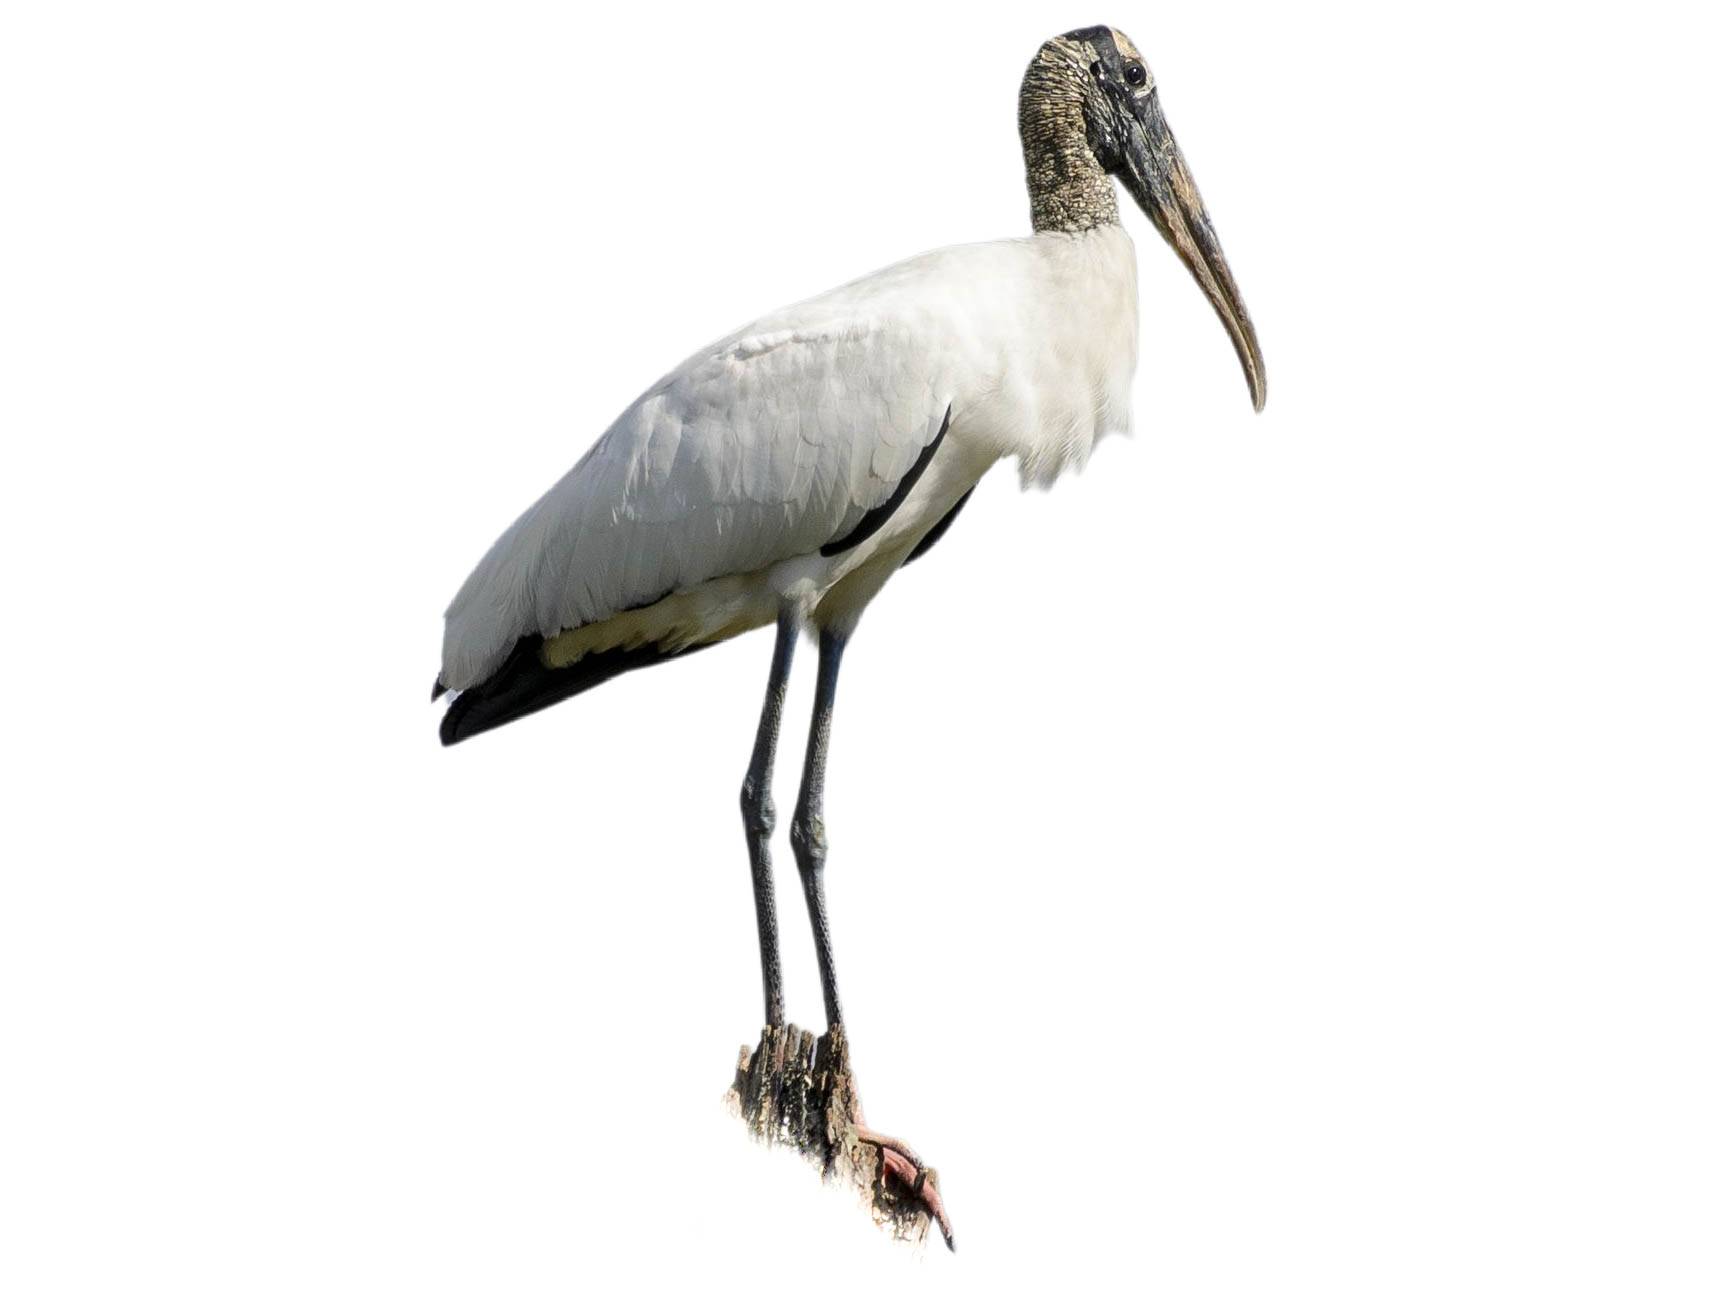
906	1180
800	1091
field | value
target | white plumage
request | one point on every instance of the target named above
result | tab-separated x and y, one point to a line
784	473
720	484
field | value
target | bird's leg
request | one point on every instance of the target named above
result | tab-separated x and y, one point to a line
759	812
898	1168
806	833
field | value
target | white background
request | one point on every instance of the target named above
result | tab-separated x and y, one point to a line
1282	855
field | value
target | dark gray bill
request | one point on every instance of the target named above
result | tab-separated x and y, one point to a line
1158	179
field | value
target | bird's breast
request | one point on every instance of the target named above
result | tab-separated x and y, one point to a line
1064	354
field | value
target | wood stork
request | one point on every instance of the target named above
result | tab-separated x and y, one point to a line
782	474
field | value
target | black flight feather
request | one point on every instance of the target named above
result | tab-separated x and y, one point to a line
875	519
524	685
937	530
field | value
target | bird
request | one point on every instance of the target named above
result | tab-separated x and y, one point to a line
782	475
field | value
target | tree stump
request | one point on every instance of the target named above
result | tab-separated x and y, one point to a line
797	1090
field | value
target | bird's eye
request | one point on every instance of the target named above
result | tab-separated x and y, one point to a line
1135	73
1097	70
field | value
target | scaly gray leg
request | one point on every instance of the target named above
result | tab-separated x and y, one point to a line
806	833
759	812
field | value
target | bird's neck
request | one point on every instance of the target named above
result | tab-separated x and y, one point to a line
1070	191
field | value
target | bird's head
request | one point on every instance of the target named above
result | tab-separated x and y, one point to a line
1089	109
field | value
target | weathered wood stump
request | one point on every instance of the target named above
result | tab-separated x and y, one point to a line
797	1090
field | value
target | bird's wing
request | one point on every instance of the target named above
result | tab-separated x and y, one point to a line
769	444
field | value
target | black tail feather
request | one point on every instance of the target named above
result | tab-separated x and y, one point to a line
524	685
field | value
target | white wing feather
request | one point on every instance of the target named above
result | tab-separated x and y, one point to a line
765	446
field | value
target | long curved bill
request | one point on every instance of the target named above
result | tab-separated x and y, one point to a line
1158	179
